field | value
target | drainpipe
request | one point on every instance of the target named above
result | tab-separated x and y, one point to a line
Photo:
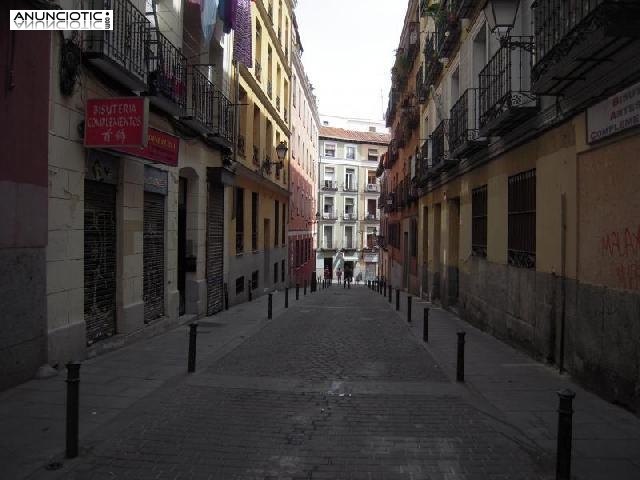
563	278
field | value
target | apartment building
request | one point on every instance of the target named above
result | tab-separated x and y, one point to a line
348	191
527	209
260	220
304	168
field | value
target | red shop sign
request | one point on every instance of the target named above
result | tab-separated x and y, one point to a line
161	148
116	122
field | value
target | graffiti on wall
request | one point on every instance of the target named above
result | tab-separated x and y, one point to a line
622	248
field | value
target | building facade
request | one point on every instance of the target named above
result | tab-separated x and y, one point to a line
303	168
356	124
260	221
527	214
348	193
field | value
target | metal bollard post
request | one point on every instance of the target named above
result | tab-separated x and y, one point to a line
297	291
286	297
409	308
270	307
305	288
425	325
460	365
193	334
390	291
397	300
73	404
563	451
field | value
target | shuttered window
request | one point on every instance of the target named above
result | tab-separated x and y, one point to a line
153	256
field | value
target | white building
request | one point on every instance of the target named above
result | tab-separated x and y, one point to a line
356	124
348	191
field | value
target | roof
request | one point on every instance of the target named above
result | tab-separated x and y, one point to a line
354	136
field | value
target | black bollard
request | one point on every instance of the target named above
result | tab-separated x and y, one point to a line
297	291
226	297
270	307
460	364
73	404
286	297
193	334
305	288
409	308
390	291
425	325
563	452
397	300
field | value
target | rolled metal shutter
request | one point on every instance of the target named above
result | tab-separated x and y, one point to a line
215	248
99	260
153	256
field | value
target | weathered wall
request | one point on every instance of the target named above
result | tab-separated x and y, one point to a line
24	90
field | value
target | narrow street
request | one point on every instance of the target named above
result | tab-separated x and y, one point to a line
334	387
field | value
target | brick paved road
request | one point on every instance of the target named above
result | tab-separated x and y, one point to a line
336	388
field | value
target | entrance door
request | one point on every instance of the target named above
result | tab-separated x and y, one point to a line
452	257
215	248
182	242
153	256
99	260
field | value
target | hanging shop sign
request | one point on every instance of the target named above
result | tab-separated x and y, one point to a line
155	180
371	258
617	113
116	122
161	147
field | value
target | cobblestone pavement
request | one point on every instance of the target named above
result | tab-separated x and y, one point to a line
334	388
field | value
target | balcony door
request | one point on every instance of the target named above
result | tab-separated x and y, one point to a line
350	179
349	242
372	207
328	237
349	208
328	207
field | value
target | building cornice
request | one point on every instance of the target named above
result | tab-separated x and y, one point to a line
244	172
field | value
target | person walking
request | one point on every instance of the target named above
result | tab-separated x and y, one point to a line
339	275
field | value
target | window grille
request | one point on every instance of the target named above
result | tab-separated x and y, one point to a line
522	220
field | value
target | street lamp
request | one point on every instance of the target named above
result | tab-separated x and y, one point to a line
501	15
281	151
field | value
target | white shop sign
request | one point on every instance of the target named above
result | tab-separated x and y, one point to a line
617	113
371	257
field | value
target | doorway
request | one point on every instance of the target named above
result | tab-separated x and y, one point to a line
182	243
405	262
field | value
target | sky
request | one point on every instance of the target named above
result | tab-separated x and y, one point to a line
349	49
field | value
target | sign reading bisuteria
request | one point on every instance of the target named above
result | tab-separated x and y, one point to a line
116	122
617	113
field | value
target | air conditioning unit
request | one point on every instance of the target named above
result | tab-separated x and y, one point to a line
371	187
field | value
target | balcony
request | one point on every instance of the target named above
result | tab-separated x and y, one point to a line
463	8
277	103
256	156
330	215
413	44
421	89
167	75
423	163
447	31
121	52
372	187
210	113
370	217
581	43
505	96
269	88
241	145
330	185
349	187
257	71
392	156
440	145
350	217
432	65
464	137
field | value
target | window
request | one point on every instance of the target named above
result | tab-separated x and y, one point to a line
522	220
328	210
329	149
372	154
239	212
371	177
350	179
276	224
350	152
329	178
328	237
282	271
479	221
372	207
371	237
349	208
348	237
239	285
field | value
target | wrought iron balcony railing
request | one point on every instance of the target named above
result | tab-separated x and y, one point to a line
210	112
350	217
463	8
571	35
350	187
370	217
122	52
269	88
277	103
447	31
413	41
392	156
421	90
505	95
440	144
330	185
329	215
432	65
167	74
241	145
463	124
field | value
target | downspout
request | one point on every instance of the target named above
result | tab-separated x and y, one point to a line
563	278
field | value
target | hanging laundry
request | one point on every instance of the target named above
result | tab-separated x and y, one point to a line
242	37
208	18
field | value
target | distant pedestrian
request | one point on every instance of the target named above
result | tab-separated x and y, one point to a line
358	278
339	275
327	276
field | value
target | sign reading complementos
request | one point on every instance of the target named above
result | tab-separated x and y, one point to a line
615	114
161	148
116	122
